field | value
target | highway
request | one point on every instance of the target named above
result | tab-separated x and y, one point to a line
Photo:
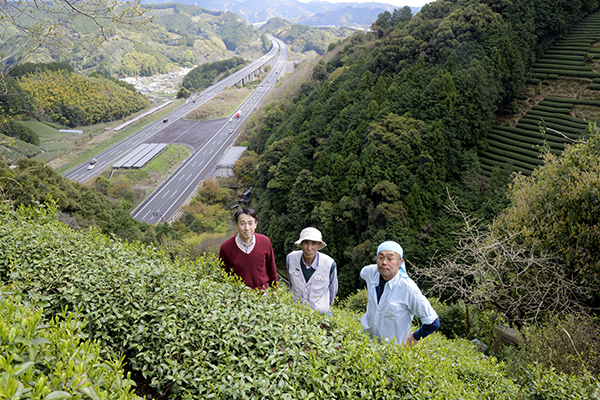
83	172
164	202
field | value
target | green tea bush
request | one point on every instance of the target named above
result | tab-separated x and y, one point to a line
196	333
453	320
358	301
533	119
51	359
555	110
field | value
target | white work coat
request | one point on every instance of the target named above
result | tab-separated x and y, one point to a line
401	300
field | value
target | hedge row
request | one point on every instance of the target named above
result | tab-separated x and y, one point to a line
594	86
544	61
535	133
555	104
504	148
490	164
504	142
517	158
583	125
568	46
556	110
532	141
568	72
199	334
573	133
553	115
520	165
553	51
540	66
586	102
565	57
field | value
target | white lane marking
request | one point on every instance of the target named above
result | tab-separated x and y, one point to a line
166	193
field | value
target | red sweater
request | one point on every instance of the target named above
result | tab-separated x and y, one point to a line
256	269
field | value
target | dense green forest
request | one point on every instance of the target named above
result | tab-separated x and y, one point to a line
72	99
54	92
206	74
393	124
303	38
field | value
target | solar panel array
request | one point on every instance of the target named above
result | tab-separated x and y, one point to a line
140	156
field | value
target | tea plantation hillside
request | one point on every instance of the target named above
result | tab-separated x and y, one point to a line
51	359
550	121
196	333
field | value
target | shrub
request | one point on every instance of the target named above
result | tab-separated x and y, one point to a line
51	359
358	301
453	322
570	344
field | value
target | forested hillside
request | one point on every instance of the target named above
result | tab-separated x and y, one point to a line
73	99
80	207
206	74
179	36
394	122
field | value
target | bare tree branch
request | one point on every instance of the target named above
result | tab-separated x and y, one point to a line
489	270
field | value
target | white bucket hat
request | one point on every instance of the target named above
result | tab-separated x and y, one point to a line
311	234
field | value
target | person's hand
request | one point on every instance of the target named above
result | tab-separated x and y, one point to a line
410	341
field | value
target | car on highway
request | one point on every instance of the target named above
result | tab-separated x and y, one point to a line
91	166
165	120
93	161
231	131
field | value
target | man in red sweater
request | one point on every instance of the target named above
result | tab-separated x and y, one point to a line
249	255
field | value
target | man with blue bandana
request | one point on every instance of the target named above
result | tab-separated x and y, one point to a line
394	299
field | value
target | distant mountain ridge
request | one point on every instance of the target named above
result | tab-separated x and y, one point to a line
314	13
180	35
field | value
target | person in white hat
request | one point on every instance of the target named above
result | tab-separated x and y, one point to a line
312	275
394	299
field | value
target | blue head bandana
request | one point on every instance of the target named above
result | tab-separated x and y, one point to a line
393	246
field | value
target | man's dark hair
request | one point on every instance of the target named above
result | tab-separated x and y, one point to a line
245	210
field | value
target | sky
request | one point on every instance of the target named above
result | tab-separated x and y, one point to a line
396	3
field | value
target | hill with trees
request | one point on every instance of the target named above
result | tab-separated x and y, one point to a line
80	207
206	74
179	35
393	122
73	99
303	38
313	13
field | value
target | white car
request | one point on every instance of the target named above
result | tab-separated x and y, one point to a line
91	166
